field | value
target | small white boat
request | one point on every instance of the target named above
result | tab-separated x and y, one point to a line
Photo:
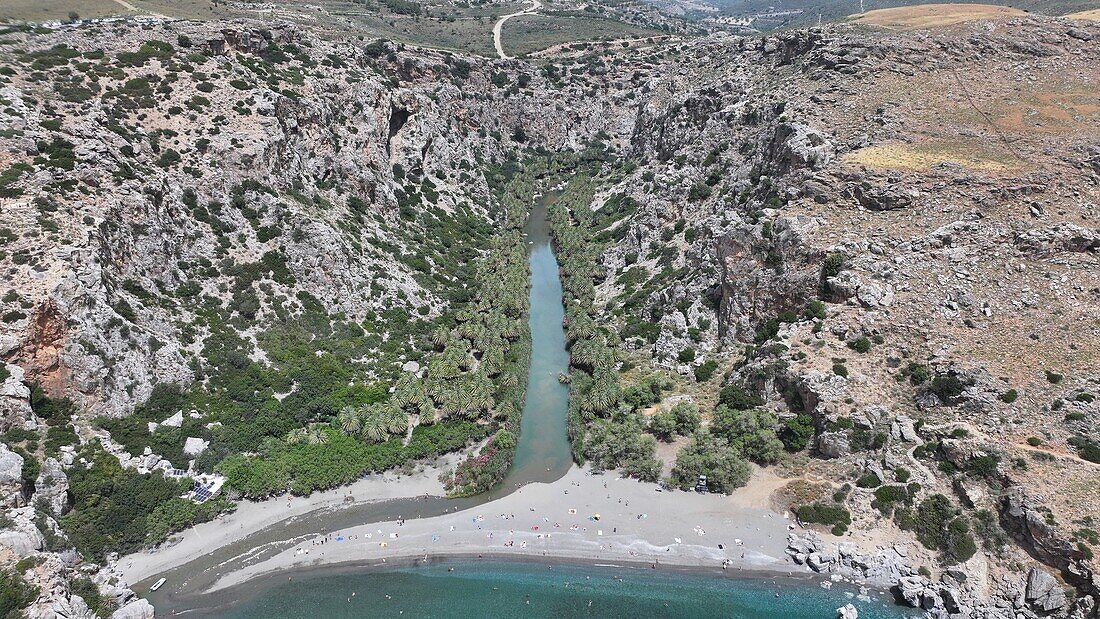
157	584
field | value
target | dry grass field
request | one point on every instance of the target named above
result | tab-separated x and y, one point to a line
925	16
924	155
1093	15
40	10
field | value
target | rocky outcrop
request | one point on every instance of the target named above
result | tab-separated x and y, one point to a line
879	194
15	405
137	609
1065	237
1043	592
22	538
833	444
51	489
11	477
1026	521
798	147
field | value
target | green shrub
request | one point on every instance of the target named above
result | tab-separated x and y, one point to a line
686	417
1009	396
840	369
15	593
918	373
52	411
1054	377
797	432
988	528
832	266
736	397
751	432
815	310
948	386
112	505
886	497
983	466
823	513
663	426
101	605
1087	450
705	371
938	526
699	191
868	480
168	158
860	344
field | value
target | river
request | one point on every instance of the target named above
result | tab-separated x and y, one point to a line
491	586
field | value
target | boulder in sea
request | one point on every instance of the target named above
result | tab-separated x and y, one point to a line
847	612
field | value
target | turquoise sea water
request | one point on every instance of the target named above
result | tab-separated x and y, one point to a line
511	589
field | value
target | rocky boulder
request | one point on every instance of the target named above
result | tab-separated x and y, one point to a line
1043	592
1023	518
22	537
833	445
881	194
796	146
137	609
1064	237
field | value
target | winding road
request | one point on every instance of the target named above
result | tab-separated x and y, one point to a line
535	6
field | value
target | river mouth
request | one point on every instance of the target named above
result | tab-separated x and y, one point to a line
542	452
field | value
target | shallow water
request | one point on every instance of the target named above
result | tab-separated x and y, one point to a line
515	589
542	453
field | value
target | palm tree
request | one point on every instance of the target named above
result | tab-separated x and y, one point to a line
454	400
409	390
440	336
374	424
396	421
581	327
349	420
296	436
317	436
427	413
504	410
584	353
492	361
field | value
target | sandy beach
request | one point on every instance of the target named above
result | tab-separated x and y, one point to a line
598	518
